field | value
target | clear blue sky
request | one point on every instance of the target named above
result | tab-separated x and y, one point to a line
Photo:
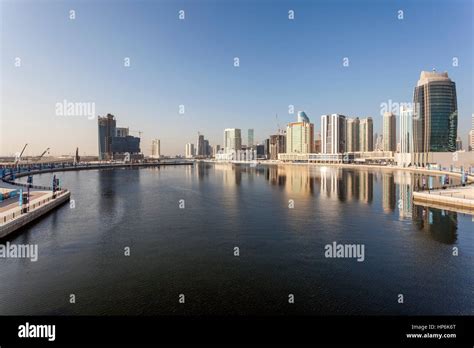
190	62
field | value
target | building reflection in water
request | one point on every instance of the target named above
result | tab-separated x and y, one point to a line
388	192
354	185
344	184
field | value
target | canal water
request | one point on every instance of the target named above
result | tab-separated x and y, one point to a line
185	226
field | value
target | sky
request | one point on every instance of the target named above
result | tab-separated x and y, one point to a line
190	62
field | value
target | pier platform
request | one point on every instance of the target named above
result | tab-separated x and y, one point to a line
460	199
41	202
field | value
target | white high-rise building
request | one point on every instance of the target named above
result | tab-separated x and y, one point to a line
155	148
189	150
406	130
333	133
232	140
406	136
471	136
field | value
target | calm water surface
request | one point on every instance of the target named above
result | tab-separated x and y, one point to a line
408	249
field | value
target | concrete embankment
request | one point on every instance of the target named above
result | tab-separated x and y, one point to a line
13	219
460	199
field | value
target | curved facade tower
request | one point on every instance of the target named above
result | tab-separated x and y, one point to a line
435	118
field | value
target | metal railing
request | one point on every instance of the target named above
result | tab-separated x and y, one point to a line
29	207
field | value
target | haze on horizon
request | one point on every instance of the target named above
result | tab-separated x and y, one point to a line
190	62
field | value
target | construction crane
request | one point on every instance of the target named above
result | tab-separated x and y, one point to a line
280	131
41	156
21	154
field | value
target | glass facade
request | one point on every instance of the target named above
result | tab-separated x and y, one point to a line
435	121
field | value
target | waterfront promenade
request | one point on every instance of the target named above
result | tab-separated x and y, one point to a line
460	199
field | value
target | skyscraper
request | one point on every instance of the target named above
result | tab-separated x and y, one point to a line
266	148
107	130
435	118
232	140
366	135
458	144
352	134
471	140
277	145
207	148
378	142
201	150
471	135
406	136
250	138
189	150
333	133
406	130
155	148
300	135
389	132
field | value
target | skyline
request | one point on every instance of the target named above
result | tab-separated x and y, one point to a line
192	65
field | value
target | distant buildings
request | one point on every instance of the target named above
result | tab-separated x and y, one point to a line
215	150
232	140
266	148
200	151
107	126
250	138
458	144
189	150
352	134
233	149
389	132
300	135
203	148
378	142
260	148
155	148
406	136
317	144
471	140
115	142
277	145
366	135
471	135
435	116
333	134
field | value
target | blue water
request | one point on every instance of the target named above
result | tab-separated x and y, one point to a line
190	251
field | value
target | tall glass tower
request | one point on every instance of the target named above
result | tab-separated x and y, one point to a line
435	119
107	129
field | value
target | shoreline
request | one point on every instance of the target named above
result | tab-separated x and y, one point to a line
470	177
